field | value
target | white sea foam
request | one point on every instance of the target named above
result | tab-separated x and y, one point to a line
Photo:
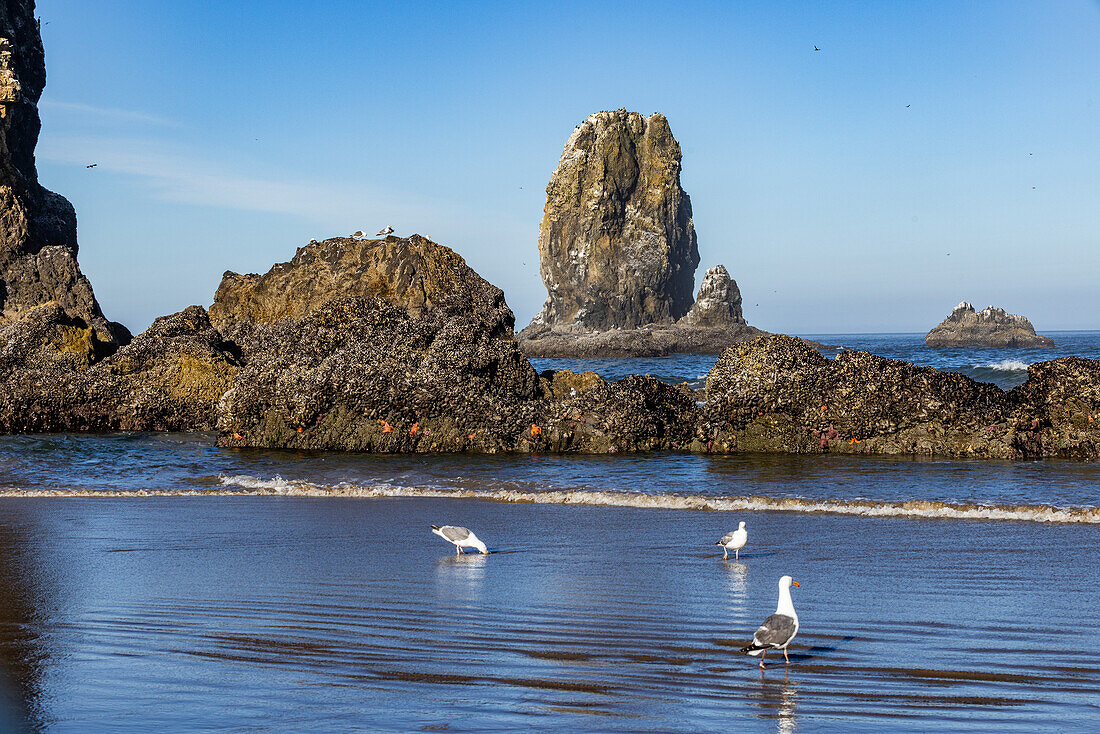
1006	365
867	508
244	484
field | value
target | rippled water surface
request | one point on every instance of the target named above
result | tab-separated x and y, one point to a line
159	583
338	614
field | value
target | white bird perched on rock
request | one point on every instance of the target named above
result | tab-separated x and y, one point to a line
734	541
461	537
386	232
779	629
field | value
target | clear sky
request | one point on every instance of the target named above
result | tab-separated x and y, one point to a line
929	153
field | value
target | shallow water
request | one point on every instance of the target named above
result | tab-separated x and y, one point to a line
338	614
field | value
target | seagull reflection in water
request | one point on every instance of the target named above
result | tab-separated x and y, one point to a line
461	576
738	574
778	701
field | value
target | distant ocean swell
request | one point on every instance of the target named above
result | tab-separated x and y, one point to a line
244	484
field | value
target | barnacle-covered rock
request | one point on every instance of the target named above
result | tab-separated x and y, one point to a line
778	394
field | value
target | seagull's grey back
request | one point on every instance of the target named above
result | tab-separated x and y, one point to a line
455	532
776	630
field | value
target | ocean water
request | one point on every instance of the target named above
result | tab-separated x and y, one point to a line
1006	368
159	583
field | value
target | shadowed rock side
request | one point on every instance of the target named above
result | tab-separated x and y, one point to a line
616	243
713	323
990	327
777	394
38	244
53	376
412	352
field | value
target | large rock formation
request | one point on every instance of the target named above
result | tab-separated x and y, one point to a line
616	243
37	227
396	345
53	377
373	345
775	393
618	251
990	327
414	273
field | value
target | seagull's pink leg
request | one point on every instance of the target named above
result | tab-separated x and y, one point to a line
725	553
762	654
785	656
458	549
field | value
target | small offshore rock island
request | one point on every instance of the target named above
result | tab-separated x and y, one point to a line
396	345
990	327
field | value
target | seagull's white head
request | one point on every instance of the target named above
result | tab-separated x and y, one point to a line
741	525
787	582
481	547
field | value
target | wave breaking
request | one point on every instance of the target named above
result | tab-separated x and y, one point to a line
1005	365
247	485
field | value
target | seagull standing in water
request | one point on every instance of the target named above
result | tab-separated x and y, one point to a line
734	541
385	232
779	629
461	537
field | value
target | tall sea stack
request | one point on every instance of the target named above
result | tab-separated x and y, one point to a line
616	243
37	227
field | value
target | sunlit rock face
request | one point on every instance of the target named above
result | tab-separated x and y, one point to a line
990	327
616	244
37	227
718	303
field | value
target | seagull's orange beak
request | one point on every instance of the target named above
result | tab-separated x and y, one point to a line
795	583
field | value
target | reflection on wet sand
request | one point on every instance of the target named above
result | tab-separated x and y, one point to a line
22	654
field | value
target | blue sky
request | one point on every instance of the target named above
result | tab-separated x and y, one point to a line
929	153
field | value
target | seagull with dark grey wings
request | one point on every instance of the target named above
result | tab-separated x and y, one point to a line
385	232
779	629
461	537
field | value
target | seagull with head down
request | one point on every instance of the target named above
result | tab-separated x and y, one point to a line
461	537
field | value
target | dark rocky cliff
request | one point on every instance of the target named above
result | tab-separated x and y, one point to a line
37	227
